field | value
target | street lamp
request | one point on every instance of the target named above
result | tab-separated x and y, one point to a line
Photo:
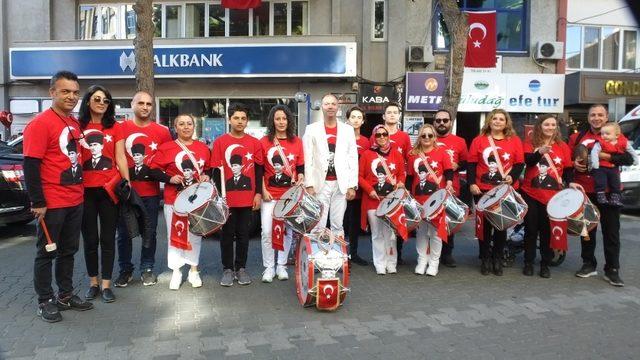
301	96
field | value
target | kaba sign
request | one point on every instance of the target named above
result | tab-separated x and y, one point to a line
372	98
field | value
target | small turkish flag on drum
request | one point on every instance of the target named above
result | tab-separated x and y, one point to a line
277	235
481	40
558	239
397	219
328	297
179	232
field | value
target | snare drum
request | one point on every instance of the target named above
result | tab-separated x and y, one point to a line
503	207
400	200
322	270
456	212
298	209
574	206
205	209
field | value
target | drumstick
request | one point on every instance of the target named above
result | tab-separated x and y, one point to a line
222	184
50	246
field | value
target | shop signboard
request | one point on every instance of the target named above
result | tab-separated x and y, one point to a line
188	61
372	98
424	91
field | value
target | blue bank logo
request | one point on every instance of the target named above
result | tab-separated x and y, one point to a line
534	85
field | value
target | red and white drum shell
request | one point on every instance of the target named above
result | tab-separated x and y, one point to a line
503	207
313	263
206	210
298	209
455	211
574	206
400	200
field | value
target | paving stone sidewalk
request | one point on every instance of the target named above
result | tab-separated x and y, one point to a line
458	314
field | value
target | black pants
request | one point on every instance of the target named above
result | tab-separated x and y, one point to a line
536	222
236	229
494	239
97	204
352	224
447	247
610	223
606	177
64	228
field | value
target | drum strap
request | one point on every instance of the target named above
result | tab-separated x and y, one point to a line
494	150
432	173
287	165
190	155
391	178
552	165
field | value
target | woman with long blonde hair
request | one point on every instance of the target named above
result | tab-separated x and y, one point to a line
495	157
429	170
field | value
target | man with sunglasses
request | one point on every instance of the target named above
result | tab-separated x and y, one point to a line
456	147
391	116
50	147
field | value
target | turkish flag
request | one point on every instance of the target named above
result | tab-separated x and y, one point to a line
479	225
528	133
440	222
558	240
277	235
481	40
398	222
179	232
328	297
241	4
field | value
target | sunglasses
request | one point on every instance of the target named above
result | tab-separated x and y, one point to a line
429	135
98	100
379	135
442	120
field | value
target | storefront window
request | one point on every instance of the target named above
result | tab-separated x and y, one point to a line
261	20
238	22
108	17
157	20
217	20
88	23
630	49
592	47
130	22
210	114
511	23
610	48
194	20
280	19
379	21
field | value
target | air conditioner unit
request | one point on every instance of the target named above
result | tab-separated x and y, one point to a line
419	54
549	50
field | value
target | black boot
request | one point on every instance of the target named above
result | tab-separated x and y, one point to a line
528	269
485	267
497	266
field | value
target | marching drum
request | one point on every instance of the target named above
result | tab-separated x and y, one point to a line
574	206
503	207
322	270
455	211
400	200
205	209
299	209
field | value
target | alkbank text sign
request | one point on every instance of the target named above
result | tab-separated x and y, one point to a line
171	61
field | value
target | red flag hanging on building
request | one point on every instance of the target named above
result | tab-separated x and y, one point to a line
241	4
277	235
558	239
481	40
179	232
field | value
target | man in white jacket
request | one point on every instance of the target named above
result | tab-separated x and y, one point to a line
331	163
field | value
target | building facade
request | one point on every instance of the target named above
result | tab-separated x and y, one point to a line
208	56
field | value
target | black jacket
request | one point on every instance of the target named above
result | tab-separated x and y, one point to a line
134	214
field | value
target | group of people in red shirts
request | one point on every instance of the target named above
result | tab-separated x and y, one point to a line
71	167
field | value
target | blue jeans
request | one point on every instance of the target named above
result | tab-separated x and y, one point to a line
147	255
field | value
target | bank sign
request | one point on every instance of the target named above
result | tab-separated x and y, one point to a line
532	93
176	61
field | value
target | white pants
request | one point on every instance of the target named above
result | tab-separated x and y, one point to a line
383	243
176	258
334	203
268	253
427	240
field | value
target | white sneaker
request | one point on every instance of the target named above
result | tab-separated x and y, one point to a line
381	271
391	269
432	270
268	274
421	267
176	280
194	279
281	271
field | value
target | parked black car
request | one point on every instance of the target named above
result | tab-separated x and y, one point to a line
14	201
